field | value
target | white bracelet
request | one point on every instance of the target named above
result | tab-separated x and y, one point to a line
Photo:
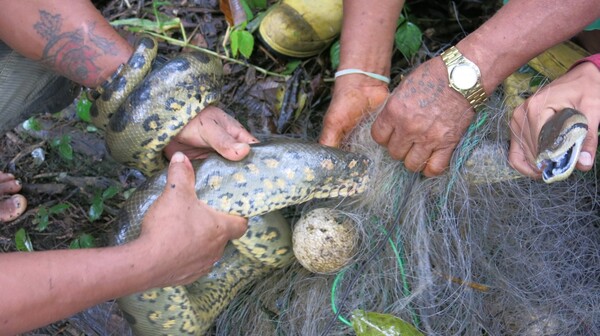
358	71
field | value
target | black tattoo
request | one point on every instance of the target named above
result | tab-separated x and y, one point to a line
68	52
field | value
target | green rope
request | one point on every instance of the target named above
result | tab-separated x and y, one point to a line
398	252
337	279
470	141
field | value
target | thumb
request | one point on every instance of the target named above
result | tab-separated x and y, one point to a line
180	176
236	226
588	150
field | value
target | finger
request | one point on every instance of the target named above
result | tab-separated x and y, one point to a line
13	207
518	160
397	147
226	145
331	137
382	130
236	226
588	150
336	124
416	158
180	177
438	162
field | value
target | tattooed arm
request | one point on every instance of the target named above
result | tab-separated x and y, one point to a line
70	37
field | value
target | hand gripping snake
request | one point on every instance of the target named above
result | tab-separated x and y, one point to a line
141	112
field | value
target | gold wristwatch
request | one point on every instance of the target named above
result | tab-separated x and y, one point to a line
464	77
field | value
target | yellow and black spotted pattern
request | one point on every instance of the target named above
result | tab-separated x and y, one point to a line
141	110
273	176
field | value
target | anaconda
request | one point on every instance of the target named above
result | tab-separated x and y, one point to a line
141	112
275	175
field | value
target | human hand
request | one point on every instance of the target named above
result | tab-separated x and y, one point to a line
212	130
577	89
423	120
182	236
353	96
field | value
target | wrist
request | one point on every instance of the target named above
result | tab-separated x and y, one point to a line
464	77
367	38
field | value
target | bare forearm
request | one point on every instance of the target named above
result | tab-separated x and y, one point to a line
70	37
42	287
368	34
521	30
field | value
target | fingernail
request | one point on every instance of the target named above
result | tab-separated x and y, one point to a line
18	182
178	157
239	147
585	159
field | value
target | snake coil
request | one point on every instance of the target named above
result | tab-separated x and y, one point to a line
141	112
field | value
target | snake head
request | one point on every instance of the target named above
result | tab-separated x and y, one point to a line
560	142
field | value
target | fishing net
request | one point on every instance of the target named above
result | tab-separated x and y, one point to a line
466	253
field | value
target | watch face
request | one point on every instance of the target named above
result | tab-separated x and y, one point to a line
463	76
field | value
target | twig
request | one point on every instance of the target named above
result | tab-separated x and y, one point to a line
210	52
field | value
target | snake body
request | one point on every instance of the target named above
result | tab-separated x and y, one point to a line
141	112
273	176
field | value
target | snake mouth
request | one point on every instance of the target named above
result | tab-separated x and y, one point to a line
560	167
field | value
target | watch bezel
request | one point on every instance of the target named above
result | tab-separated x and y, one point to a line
454	75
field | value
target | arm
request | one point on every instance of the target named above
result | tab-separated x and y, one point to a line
70	37
424	119
576	89
40	287
73	39
366	43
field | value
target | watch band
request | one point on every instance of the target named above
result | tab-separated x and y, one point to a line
476	95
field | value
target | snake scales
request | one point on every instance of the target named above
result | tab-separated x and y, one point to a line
147	110
141	112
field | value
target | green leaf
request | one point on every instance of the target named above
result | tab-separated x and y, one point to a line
290	67
242	41
22	241
334	54
83	108
96	208
58	208
246	43
83	241
110	192
32	124
63	144
408	39
66	151
261	4
234	39
247	10
42	218
377	324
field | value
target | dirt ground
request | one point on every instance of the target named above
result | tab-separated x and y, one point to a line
248	95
